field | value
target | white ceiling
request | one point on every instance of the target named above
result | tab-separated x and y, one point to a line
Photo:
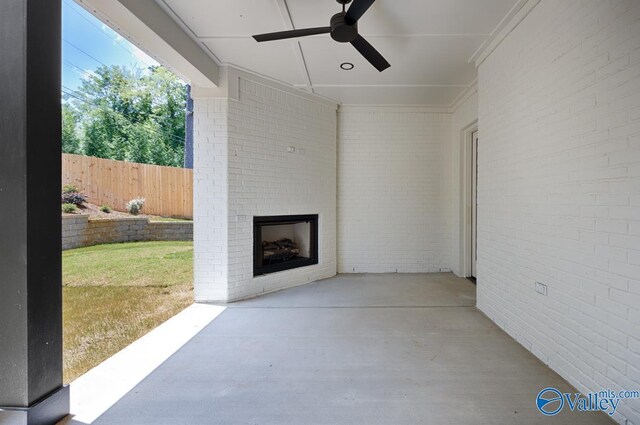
429	44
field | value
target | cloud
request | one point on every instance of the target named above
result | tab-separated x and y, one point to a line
117	38
134	50
142	56
106	28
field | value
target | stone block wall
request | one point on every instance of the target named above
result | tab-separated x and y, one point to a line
79	231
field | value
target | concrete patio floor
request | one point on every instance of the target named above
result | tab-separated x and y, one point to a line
354	349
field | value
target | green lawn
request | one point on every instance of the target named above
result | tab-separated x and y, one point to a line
113	294
170	219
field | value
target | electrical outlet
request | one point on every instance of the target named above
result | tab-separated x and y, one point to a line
541	288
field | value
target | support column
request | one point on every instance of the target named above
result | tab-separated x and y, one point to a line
31	390
210	199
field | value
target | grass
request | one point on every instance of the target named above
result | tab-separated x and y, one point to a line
169	219
114	294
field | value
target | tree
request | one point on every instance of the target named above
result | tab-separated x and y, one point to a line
70	139
131	114
168	104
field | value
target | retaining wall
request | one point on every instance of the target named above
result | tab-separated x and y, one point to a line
79	231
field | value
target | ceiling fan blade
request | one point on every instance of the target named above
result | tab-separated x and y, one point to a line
370	53
357	9
272	36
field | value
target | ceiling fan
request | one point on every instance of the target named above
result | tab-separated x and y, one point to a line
343	28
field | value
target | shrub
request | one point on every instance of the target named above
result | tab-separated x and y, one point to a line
75	198
69	208
134	206
71	195
70	188
105	209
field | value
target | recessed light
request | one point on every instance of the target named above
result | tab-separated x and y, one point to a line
347	66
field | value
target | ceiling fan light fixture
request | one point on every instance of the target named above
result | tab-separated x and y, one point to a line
347	66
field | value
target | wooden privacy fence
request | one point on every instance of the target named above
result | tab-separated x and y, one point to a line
168	191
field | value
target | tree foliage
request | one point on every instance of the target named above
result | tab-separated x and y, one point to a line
127	114
70	139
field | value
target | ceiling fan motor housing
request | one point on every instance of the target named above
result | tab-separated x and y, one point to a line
341	31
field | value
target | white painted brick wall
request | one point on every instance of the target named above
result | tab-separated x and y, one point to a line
210	199
265	179
559	191
393	190
242	169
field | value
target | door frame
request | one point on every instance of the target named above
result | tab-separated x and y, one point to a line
473	243
466	196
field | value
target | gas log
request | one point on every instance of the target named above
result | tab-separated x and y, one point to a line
279	251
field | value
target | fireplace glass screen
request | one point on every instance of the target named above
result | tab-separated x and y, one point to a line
284	242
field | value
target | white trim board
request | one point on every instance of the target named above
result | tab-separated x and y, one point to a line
517	14
466	94
230	76
395	108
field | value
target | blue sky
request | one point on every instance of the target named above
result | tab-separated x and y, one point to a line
87	43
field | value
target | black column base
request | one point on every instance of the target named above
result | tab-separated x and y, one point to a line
47	411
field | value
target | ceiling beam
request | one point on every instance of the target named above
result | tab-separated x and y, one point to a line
148	26
288	23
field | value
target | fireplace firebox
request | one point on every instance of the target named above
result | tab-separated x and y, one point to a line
284	242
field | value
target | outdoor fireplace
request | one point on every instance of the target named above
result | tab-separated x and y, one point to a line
284	242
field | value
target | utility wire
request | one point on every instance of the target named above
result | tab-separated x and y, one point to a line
87	101
81	97
159	133
102	31
82	51
68	3
83	71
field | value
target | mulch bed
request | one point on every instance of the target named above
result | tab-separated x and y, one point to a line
94	212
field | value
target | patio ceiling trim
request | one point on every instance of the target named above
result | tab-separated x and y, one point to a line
468	92
395	108
230	76
146	24
516	15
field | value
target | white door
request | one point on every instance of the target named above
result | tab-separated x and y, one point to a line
474	202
